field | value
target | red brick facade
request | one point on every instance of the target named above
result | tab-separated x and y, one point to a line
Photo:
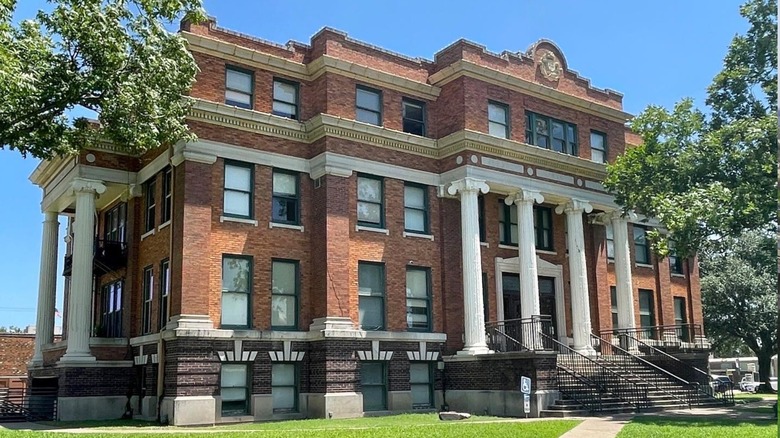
328	245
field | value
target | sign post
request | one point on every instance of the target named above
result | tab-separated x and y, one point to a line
525	388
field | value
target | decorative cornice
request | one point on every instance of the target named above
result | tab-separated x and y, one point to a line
311	71
495	77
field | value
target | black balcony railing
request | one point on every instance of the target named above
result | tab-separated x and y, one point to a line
681	336
520	334
108	256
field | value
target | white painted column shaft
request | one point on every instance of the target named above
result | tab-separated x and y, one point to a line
578	274
80	299
624	287
47	286
474	320
529	283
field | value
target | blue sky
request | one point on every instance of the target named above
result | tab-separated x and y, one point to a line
654	52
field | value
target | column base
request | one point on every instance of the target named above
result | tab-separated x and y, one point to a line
474	350
586	350
76	358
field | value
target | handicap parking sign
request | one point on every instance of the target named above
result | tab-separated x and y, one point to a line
526	403
525	385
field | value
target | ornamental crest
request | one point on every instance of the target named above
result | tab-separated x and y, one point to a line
550	66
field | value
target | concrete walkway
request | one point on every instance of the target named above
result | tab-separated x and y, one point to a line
599	427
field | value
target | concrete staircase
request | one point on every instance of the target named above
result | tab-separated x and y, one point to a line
619	385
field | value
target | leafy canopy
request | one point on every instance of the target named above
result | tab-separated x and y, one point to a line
112	57
711	175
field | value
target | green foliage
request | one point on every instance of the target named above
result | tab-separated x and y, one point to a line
112	57
739	293
714	174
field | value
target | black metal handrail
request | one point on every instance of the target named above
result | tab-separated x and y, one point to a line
694	375
519	334
601	378
621	357
589	399
669	335
28	404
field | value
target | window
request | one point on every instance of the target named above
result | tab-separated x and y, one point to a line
150	204
165	291
418	299
285	99
598	147
498	119
543	228
285	200
373	380
613	297
610	242
421	380
680	319
239	182
234	389
110	324
167	206
641	247
507	223
549	133
482	228
646	312
413	117
370	196
116	224
675	261
238	87
236	287
368	105
146	311
371	291
284	388
415	208
284	294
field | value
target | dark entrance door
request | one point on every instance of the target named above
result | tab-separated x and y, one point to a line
511	287
547	301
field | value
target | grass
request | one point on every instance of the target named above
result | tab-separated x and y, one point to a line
407	426
697	427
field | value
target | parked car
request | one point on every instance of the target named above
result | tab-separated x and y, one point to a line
722	383
748	385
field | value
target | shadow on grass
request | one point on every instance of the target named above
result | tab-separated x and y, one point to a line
682	420
129	424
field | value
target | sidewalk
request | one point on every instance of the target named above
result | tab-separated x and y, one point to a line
603	427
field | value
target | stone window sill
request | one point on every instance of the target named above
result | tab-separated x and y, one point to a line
238	220
372	229
546	251
163	225
148	233
485	244
505	246
287	226
643	265
678	275
418	235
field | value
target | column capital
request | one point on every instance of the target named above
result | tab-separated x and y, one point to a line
51	216
80	185
574	206
522	196
468	184
613	215
133	191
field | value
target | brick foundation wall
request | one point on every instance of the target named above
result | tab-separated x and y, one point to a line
501	372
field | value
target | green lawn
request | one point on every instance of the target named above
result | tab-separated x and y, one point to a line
697	427
406	426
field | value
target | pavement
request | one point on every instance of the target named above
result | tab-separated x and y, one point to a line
599	427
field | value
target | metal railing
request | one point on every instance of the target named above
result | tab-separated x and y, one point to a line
680	336
585	380
523	334
28	404
107	256
704	383
625	360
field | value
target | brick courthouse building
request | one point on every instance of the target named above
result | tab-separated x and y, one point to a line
340	233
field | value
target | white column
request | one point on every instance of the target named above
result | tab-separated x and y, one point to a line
47	286
578	274
474	320
529	284
80	299
624	287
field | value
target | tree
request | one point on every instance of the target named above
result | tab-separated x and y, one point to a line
112	57
704	175
11	329
739	289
